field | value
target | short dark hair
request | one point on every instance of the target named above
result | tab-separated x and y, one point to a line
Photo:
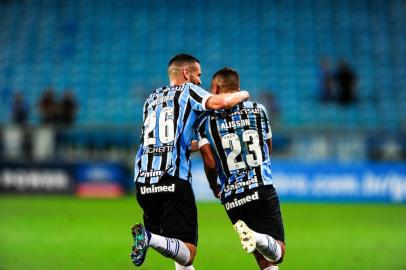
183	58
229	77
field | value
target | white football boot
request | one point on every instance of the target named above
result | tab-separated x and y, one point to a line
246	236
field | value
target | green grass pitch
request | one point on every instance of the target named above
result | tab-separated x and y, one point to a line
58	232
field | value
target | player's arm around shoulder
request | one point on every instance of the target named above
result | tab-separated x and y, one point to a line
207	101
226	101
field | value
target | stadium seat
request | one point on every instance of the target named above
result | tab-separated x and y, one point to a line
113	53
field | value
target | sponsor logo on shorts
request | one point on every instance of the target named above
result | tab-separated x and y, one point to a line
238	202
157	189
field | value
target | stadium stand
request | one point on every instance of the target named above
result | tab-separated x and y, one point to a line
113	52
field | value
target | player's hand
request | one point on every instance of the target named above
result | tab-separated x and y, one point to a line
245	94
194	147
216	191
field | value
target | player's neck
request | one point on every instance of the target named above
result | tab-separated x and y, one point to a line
177	81
228	91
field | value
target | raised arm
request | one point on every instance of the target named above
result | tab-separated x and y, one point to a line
226	101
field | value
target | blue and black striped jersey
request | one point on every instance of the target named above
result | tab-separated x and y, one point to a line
238	140
170	116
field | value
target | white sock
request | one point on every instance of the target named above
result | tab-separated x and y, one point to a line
268	247
181	267
171	248
273	267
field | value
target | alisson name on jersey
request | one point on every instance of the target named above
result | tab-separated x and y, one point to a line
234	124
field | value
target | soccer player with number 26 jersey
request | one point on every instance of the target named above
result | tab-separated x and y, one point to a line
162	163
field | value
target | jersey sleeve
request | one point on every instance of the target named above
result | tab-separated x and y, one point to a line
268	130
201	132
199	96
145	110
144	116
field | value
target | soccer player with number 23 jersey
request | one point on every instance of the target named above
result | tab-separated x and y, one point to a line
236	145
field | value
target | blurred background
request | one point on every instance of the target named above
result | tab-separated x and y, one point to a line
74	76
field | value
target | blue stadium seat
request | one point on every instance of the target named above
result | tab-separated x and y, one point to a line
113	53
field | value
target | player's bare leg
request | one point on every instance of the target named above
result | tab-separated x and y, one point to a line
182	267
271	249
263	263
192	250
